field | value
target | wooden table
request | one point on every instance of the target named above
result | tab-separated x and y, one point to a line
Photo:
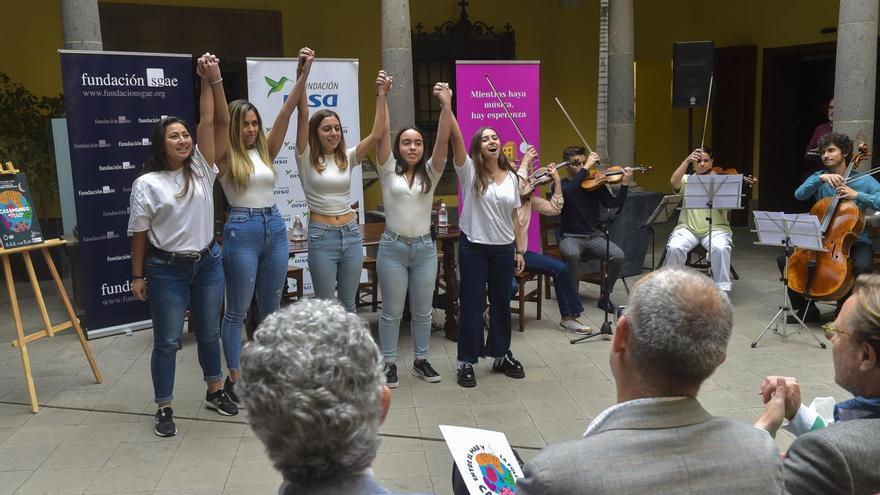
448	301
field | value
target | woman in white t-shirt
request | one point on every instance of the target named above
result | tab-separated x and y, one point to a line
407	258
255	248
335	243
175	260
489	250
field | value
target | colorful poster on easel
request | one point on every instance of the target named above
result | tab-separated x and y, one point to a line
18	218
113	101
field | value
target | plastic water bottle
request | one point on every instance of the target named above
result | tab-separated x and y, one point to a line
442	218
297	232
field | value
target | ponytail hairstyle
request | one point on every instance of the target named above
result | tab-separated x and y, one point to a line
421	167
156	159
239	166
316	153
482	179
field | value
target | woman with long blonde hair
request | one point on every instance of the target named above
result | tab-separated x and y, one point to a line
255	249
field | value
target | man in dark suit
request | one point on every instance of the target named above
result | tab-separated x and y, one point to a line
658	438
840	457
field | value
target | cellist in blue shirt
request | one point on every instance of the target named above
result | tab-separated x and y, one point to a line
836	149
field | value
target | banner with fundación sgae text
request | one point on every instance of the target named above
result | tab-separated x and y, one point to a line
113	101
332	84
518	85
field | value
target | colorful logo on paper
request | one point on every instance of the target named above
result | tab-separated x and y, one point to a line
496	475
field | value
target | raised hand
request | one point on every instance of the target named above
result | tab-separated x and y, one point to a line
695	156
443	93
551	169
383	83
304	60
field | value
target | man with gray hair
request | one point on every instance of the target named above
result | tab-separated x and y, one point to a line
316	395
658	438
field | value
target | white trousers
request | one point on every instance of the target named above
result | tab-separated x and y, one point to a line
682	241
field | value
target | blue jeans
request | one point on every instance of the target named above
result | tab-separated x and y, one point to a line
406	263
479	265
336	260
255	257
568	300
174	287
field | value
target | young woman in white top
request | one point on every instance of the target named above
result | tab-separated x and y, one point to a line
172	207
490	249
255	248
407	259
335	243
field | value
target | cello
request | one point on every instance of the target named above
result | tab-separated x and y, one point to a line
828	275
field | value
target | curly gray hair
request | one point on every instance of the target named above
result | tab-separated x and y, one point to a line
680	323
312	379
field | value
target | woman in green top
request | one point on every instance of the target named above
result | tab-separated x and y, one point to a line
693	224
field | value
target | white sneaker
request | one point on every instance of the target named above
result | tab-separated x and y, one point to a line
573	325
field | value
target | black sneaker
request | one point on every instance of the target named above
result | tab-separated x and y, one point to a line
229	388
425	371
509	366
605	304
220	402
466	376
391	375
165	426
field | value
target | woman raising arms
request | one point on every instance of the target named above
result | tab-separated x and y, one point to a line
255	250
335	244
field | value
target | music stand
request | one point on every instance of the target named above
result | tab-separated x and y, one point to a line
789	231
713	191
661	214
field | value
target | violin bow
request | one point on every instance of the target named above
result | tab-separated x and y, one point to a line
570	121
512	121
708	108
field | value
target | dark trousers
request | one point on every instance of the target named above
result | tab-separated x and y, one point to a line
480	265
862	255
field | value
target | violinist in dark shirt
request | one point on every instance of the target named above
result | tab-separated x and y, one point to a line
579	221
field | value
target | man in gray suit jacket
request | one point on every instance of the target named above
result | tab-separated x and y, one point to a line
315	390
657	438
843	457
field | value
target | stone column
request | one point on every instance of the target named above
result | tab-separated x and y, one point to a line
81	25
855	71
397	61
621	94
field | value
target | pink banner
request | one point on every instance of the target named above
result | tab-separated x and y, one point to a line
518	85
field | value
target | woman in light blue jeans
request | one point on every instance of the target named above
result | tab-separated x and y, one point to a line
255	250
324	163
407	259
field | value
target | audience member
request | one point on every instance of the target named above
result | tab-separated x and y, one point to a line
842	457
658	438
316	395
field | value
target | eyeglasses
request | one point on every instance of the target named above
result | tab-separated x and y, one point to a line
830	329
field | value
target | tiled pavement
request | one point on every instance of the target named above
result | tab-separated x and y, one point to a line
98	438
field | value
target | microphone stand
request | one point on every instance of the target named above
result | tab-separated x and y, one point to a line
605	329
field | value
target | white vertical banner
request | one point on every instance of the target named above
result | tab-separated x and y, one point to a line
332	84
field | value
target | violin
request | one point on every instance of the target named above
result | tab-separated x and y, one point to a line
611	175
749	180
828	275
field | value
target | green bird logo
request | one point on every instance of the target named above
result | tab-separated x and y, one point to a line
275	86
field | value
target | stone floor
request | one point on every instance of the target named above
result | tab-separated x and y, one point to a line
98	438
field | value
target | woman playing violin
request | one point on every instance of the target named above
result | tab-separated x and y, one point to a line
693	225
836	149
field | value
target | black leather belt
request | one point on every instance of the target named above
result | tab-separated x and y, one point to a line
182	257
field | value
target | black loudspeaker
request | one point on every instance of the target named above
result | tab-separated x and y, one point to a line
691	69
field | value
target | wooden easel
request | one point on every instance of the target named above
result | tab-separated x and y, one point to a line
49	330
